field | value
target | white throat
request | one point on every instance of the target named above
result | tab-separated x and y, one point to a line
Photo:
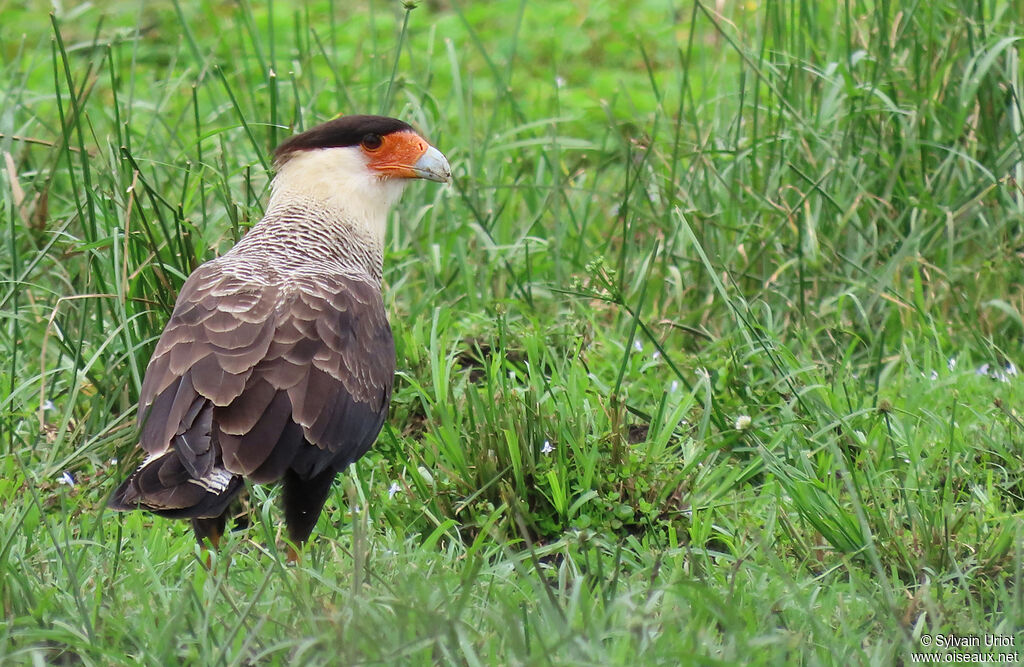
339	180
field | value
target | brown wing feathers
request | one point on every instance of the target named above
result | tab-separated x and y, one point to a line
248	380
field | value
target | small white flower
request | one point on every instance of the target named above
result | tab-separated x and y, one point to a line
998	374
637	345
48	405
743	422
66	478
674	386
559	82
951	364
112	461
656	355
393	489
934	376
547	448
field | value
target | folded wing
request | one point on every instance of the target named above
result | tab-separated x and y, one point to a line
253	378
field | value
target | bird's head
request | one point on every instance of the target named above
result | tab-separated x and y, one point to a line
357	165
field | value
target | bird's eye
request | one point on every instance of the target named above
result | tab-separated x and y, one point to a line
372	142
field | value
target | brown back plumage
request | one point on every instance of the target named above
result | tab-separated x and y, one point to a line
254	379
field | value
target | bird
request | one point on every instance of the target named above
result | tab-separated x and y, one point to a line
277	362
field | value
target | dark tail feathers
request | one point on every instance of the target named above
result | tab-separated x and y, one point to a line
163	486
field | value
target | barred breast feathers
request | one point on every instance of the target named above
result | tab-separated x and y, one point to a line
300	237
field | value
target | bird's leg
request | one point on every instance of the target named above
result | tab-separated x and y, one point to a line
303	501
210	528
293	554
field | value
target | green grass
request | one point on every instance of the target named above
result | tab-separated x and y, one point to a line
708	356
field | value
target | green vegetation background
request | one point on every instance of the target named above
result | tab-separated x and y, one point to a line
708	356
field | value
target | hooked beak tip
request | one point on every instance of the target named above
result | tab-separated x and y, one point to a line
433	166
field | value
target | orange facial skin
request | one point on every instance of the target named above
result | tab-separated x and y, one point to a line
397	154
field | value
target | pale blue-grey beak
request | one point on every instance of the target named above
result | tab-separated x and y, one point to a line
433	166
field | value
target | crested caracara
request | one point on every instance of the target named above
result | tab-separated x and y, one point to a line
278	359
